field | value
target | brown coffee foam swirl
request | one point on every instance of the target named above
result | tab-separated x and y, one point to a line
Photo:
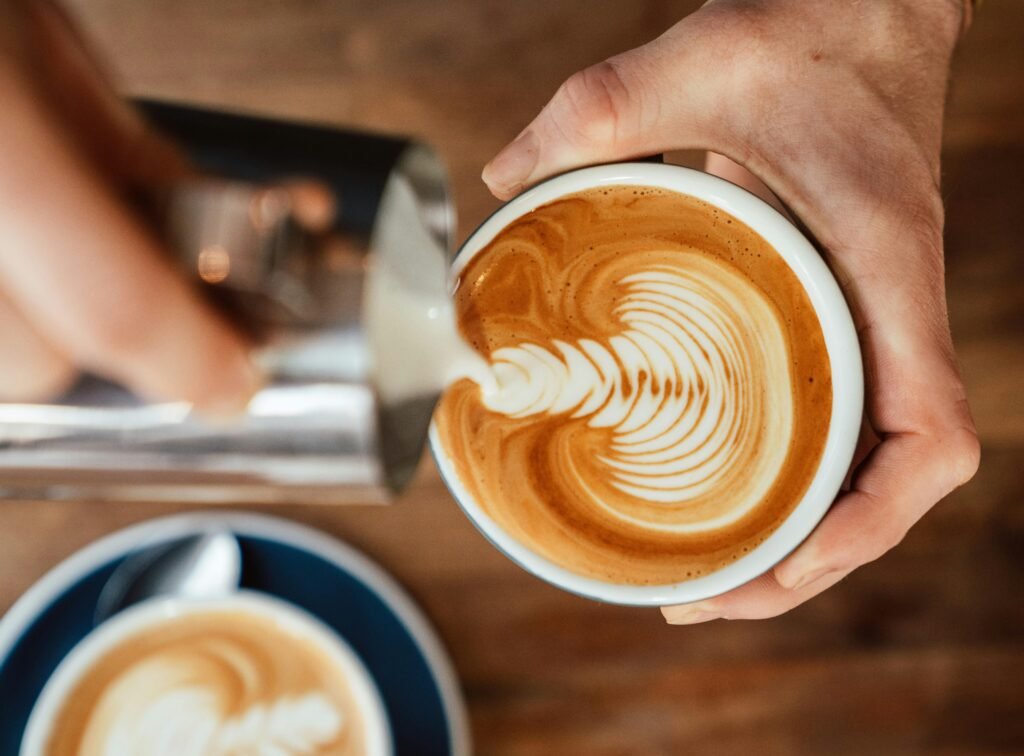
665	390
215	683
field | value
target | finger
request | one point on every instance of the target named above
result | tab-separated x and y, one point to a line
91	279
902	479
867	441
723	167
111	132
632	105
33	370
761	598
917	405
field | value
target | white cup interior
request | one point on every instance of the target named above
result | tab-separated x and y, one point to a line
840	340
42	720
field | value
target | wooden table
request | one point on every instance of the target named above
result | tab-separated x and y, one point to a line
922	652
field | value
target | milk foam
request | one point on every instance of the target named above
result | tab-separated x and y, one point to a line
675	386
211	682
410	315
174	706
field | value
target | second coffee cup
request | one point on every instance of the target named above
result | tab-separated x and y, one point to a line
246	673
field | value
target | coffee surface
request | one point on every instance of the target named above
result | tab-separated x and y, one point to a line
219	682
663	387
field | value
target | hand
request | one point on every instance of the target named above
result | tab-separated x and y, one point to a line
82	282
838	108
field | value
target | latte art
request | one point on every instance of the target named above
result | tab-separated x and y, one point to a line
210	699
696	390
213	685
662	390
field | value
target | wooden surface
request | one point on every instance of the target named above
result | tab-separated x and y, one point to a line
922	652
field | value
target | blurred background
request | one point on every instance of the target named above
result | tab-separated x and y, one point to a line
921	652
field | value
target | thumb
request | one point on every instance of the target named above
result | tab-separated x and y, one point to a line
627	106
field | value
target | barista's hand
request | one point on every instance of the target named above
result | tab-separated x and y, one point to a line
838	108
82	283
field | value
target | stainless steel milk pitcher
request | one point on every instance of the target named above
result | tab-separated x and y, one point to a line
321	428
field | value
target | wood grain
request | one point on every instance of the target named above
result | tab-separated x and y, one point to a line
921	652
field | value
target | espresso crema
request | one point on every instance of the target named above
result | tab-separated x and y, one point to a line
217	683
662	388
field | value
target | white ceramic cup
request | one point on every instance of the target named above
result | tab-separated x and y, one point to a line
840	340
152	613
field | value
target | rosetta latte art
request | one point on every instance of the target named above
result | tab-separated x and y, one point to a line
211	685
696	389
662	390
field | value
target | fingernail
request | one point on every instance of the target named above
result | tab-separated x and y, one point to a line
511	168
674	616
810	577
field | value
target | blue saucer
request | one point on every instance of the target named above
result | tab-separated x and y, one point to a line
301	565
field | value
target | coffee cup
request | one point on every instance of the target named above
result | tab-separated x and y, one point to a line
837	335
181	676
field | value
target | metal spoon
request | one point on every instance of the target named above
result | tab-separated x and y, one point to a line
203	565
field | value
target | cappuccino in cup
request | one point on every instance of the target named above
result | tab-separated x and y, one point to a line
246	674
663	387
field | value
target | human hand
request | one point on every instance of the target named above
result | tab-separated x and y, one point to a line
82	282
838	108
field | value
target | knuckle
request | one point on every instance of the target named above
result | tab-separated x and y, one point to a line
596	101
913	213
964	456
879	537
871	546
925	218
888	540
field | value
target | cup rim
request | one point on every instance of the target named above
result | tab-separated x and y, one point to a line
147	613
841	344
